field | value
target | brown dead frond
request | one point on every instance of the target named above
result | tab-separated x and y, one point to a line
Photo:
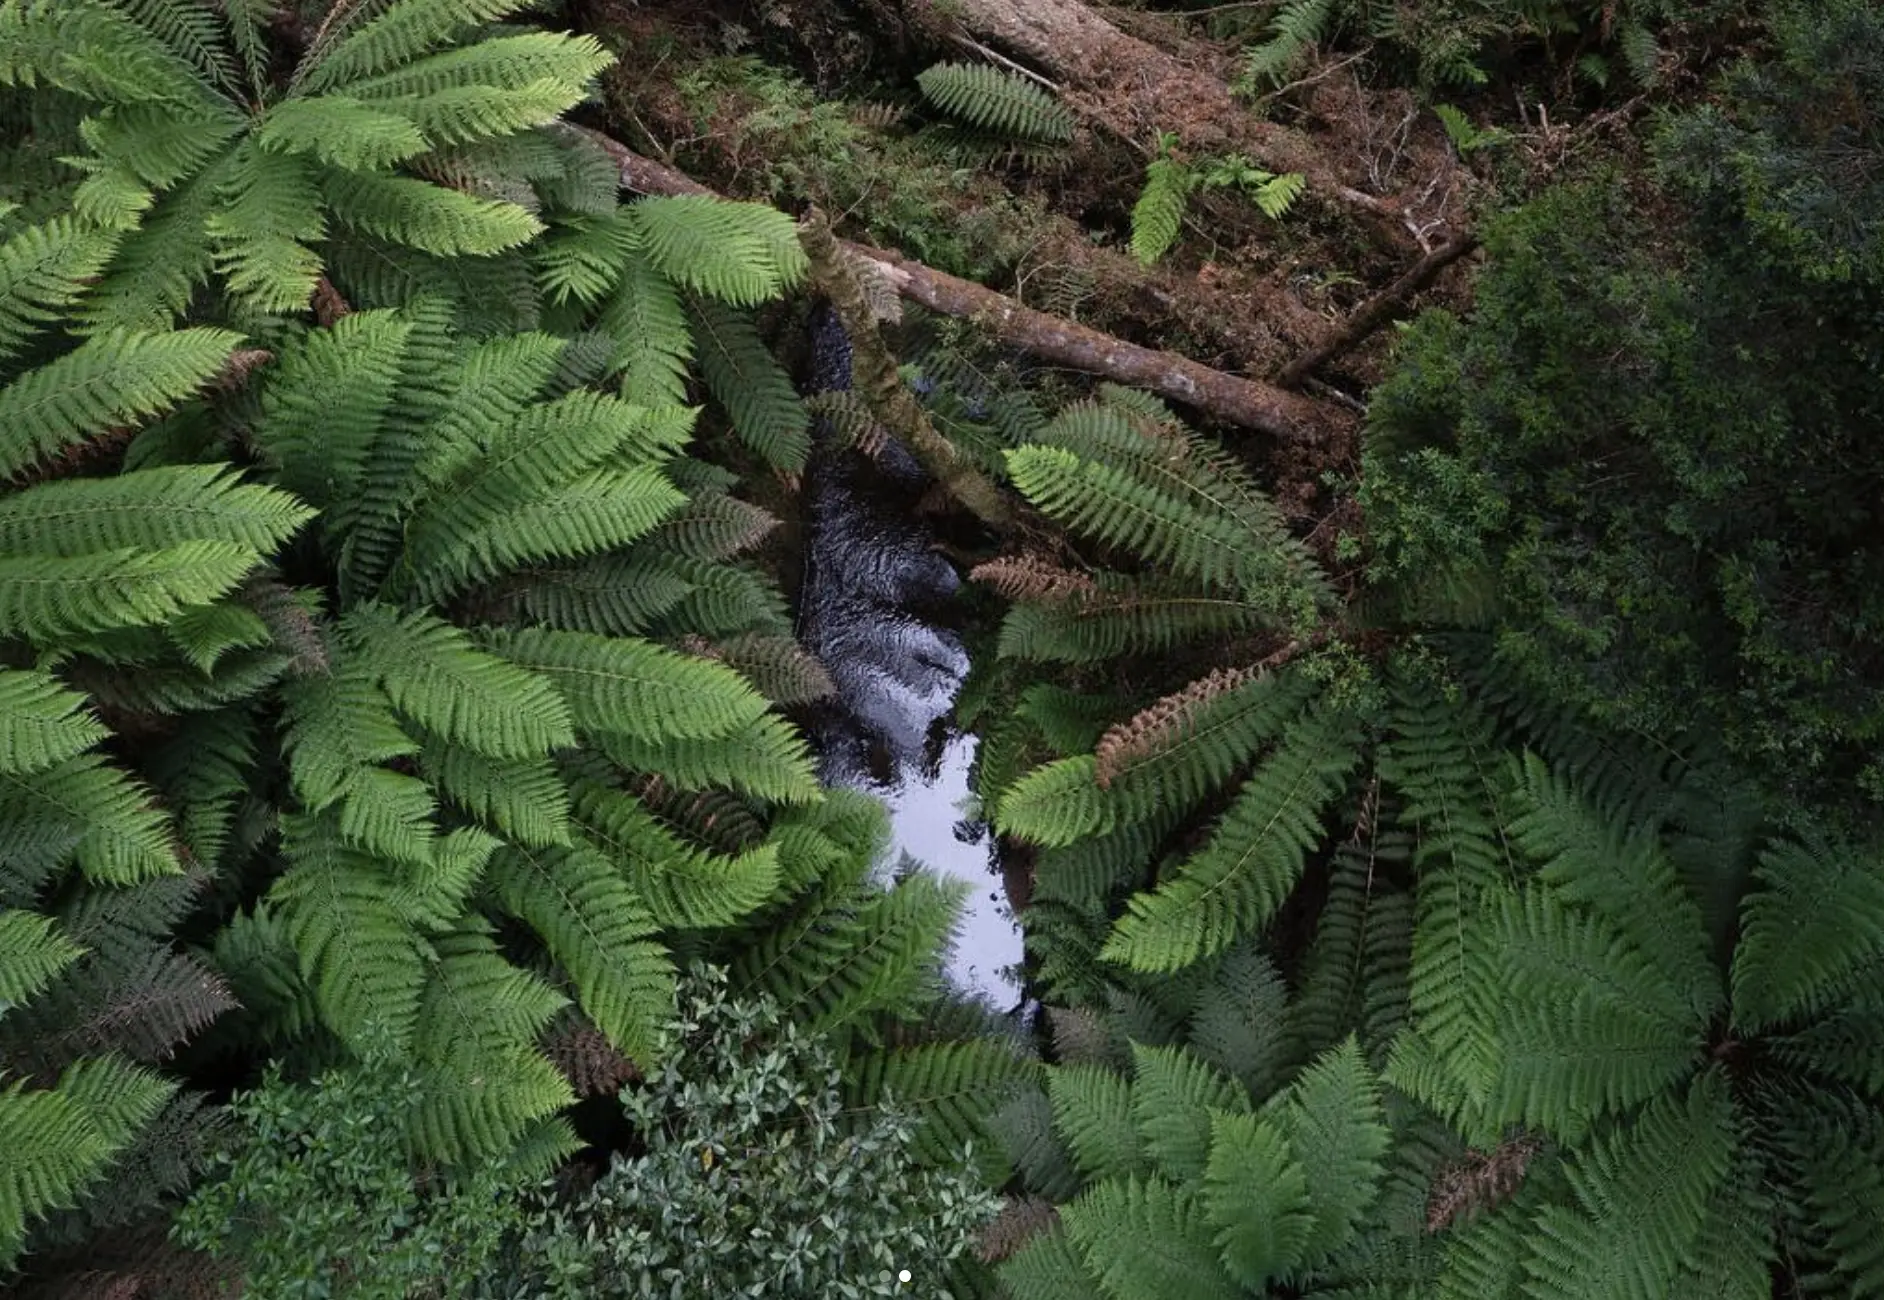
1160	724
586	1058
1021	1220
327	304
1479	1181
1032	577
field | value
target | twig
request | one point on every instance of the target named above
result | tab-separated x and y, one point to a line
1378	310
995	56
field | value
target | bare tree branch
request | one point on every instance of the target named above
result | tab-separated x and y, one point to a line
1393	301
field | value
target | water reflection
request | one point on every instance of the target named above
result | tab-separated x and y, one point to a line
873	608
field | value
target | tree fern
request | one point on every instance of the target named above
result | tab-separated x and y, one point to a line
996	101
1255	1194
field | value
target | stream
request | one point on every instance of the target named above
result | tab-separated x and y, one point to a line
874	608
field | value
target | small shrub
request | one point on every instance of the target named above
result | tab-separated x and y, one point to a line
753	1182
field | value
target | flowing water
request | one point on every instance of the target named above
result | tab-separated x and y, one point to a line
874	608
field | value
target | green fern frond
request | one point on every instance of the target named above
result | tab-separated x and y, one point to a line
1642	1197
1337	1132
1158	215
833	965
1358	973
1256	1198
341	132
1049	1267
1238	1021
523	799
1817	917
1593	1025
683	888
44	271
162	262
1834	1153
1124	615
193	31
93	51
743	254
42	724
113	378
996	100
478	1022
426	217
766	758
597	929
32	953
1174	1094
61	1140
655	345
743	377
262	229
952	1087
1623	875
121	839
432	672
582	257
324	403
1063	801
1255	856
778	668
339	907
49	599
634	689
148	511
1297	25
611	595
1147	1238
400	33
1092	1113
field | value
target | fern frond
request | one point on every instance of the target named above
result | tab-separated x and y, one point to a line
1158	215
1817	917
1238	1023
1254	858
478	1023
32	953
148	510
1590	861
1174	1094
766	759
1124	615
113	378
324	403
744	378
1592	1026
634	689
1063	801
341	132
44	270
597	929
831	969
1092	1113
1834	1149
427	217
778	667
952	1088
1256	1198
162	262
1336	1129
996	100
1147	1238
610	595
524	799
92	51
1642	1197
1298	24
432	672
121	838
581	258
743	254
262	229
41	723
60	1140
340	909
655	345
684	889
1047	1268
402	32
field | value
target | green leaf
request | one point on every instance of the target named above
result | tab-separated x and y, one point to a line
1256	1196
41	722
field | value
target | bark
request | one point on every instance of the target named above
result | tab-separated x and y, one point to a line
875	379
1243	402
1389	304
1142	90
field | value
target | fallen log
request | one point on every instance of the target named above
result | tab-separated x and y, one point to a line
1233	399
1144	90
